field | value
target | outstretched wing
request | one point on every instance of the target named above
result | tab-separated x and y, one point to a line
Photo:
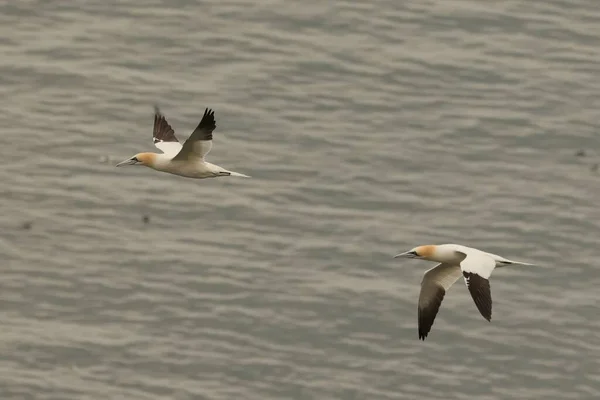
477	269
164	136
200	141
434	285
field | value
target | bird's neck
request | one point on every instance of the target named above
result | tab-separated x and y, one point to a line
160	162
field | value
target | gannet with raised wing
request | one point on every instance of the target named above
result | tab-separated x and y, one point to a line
188	160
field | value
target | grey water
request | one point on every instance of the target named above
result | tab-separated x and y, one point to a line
368	128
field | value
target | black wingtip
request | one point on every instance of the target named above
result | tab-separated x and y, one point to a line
480	292
209	114
163	132
206	126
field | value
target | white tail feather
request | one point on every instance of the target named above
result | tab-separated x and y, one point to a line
511	262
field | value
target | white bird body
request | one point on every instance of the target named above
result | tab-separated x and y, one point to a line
454	260
186	160
197	169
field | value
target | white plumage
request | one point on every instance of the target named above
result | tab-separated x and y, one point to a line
454	260
188	160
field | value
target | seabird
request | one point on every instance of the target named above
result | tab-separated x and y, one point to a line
474	265
187	160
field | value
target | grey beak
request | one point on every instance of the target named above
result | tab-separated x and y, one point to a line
130	161
406	254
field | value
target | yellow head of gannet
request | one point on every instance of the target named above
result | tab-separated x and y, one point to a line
425	252
146	159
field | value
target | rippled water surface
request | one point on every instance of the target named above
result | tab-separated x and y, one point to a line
368	128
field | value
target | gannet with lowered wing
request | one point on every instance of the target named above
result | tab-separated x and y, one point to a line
187	160
474	265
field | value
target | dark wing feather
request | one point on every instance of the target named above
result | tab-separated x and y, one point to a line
206	126
200	141
480	291
436	281
429	308
162	130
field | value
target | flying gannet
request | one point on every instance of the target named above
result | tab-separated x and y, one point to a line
187	160
455	260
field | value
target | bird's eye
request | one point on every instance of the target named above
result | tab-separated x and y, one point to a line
135	159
